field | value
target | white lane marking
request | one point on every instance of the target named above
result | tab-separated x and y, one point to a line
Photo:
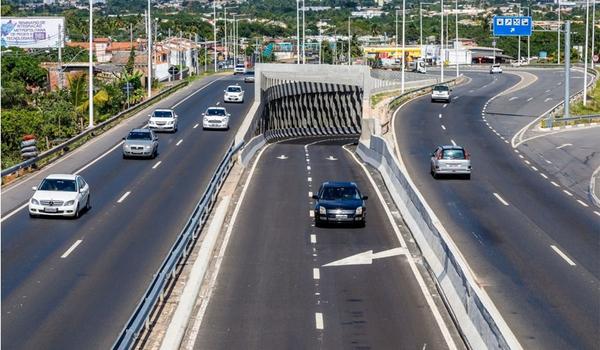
123	197
529	99
555	184
195	126
218	103
547	91
310	179
544	175
457	97
500	199
547	161
310	194
70	250
319	320
527	162
516	150
582	203
179	142
506	141
440	116
157	164
534	168
453	143
443	127
564	145
521	156
568	193
444	106
597	212
562	255
469	90
489	126
311	213
316	274
308	167
313	239
548	99
513	98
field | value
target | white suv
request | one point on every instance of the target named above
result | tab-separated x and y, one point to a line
233	93
440	92
163	120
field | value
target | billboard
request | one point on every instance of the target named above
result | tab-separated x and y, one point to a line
32	32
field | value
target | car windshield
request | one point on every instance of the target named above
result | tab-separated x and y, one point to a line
340	193
218	112
58	185
139	135
163	114
440	88
250	73
234	89
453	154
239	66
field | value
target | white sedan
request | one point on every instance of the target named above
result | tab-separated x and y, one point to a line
60	195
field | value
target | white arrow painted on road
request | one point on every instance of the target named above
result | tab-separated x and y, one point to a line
331	158
564	145
282	157
366	258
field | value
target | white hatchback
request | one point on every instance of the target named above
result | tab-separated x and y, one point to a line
495	69
440	93
215	118
60	195
233	93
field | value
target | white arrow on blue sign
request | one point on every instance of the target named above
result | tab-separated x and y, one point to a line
512	25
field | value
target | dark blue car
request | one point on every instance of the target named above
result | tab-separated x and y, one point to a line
339	202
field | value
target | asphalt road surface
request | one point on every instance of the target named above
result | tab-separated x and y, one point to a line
273	291
533	247
81	300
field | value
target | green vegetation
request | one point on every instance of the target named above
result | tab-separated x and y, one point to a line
593	103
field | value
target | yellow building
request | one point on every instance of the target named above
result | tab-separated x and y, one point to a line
411	52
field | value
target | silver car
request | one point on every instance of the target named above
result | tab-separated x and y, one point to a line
440	93
452	160
140	143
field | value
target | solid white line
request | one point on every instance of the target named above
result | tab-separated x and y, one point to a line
319	320
562	255
582	203
195	126
555	184
123	197
568	193
313	239
316	274
70	250
453	143
157	164
179	142
544	175
500	199
443	127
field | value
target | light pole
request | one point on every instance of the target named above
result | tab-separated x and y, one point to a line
558	33
593	29
91	72
456	40
303	33
298	31
149	33
442	42
215	33
349	42
585	51
403	44
519	38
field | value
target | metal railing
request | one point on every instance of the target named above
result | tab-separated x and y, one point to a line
179	251
574	120
54	151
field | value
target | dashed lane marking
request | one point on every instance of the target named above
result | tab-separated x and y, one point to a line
313	239
543	175
453	143
71	249
123	197
500	199
311	213
440	116
157	164
179	142
597	212
555	184
568	193
582	203
195	126
443	127
316	274
513	98
310	194
529	99
562	255
319	320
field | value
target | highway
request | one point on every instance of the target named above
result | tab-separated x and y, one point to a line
273	290
532	244
73	284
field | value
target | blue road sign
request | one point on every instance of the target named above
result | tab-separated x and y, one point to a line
512	25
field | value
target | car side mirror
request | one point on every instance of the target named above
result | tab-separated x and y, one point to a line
34	188
224	90
203	113
315	196
365	198
81	190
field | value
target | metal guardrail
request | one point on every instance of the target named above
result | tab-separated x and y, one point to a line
179	251
551	114
88	132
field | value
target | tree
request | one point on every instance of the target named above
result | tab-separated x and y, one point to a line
131	61
326	52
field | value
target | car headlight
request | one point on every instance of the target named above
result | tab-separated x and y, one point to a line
68	203
359	211
170	122
322	211
147	147
34	201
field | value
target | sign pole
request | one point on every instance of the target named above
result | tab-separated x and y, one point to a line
567	65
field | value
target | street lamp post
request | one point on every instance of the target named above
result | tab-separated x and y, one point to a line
349	43
215	33
558	33
91	72
593	30
403	44
585	51
303	33
456	40
298	31
442	42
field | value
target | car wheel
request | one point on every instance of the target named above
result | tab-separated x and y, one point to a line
76	215
468	176
124	156
317	223
88	206
361	224
435	175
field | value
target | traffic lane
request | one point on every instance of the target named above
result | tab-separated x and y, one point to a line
569	156
263	297
15	195
24	248
378	305
268	291
511	112
464	208
125	241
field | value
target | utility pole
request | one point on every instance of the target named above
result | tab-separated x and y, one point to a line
349	43
519	38
225	49
567	65
442	43
593	29
396	38
456	41
303	33
91	71
149	38
558	32
60	70
215	33
298	31
585	51
403	43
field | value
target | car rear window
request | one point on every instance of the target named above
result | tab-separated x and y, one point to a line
163	114
58	185
250	73
340	193
234	89
440	88
139	135
453	154
215	112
